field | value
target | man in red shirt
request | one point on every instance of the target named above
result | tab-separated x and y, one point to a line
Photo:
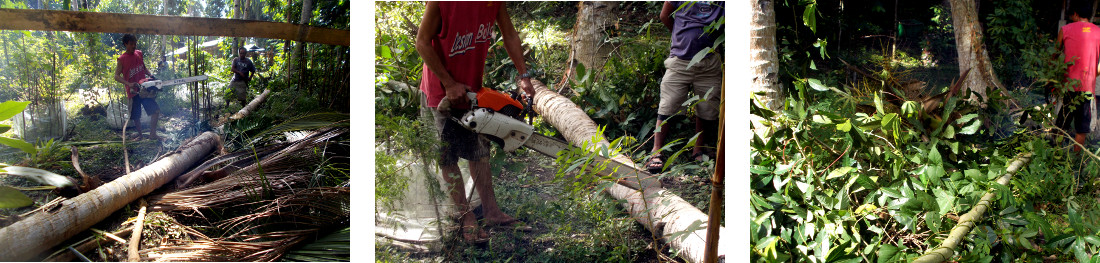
1081	41
453	41
130	70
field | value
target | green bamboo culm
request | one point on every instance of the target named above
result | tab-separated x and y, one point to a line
946	249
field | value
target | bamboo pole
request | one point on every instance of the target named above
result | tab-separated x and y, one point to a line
711	253
75	21
25	239
666	215
967	222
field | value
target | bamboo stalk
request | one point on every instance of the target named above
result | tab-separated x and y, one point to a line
967	222
710	254
25	239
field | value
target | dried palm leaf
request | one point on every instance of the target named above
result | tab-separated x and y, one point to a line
277	173
309	210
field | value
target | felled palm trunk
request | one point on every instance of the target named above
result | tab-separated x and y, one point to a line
248	109
25	239
667	213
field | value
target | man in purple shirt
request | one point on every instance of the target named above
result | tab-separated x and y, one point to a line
704	79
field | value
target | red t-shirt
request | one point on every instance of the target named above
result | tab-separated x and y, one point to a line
133	68
1082	40
462	43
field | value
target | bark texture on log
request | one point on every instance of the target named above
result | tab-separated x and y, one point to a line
25	239
660	211
248	109
578	128
60	20
972	54
764	59
669	214
967	221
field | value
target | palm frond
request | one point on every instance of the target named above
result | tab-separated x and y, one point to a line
276	174
332	247
306	122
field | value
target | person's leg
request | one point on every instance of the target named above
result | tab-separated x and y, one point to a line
448	164
708	86
674	89
464	213
659	134
153	109
483	182
1082	123
240	91
135	115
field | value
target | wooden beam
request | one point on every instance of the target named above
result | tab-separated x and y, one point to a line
74	21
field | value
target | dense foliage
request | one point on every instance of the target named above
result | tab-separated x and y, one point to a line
864	167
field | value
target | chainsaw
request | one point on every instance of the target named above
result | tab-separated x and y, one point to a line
499	118
149	87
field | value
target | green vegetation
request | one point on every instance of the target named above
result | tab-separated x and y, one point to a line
75	103
573	220
859	167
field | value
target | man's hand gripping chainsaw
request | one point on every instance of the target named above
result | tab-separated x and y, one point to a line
496	115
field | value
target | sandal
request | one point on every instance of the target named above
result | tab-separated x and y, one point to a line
514	225
470	236
655	164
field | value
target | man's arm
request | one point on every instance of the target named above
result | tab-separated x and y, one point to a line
118	74
233	66
666	14
428	27
514	46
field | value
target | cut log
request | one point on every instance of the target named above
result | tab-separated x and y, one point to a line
74	21
666	215
24	240
248	109
577	128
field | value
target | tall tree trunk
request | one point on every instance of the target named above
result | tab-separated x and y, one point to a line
294	73
589	33
24	240
658	210
972	54
764	60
